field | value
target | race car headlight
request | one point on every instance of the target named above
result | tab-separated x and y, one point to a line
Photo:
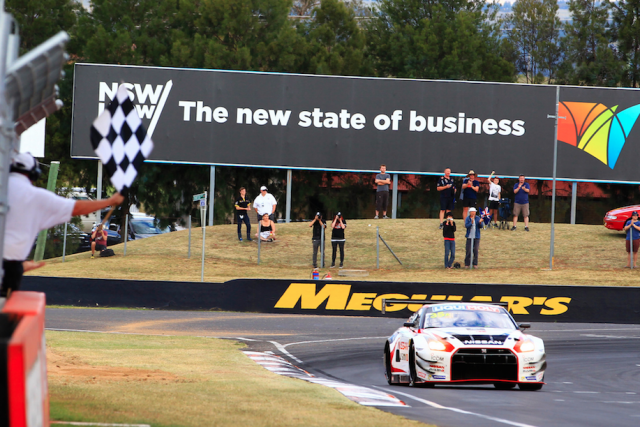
524	346
612	217
440	345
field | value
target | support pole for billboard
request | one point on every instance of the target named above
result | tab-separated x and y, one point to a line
377	248
64	242
288	212
212	189
126	233
553	189
99	191
189	250
574	198
394	197
321	244
259	238
203	216
42	236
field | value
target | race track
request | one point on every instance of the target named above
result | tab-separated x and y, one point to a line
593	378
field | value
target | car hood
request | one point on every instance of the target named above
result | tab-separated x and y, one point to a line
476	336
626	209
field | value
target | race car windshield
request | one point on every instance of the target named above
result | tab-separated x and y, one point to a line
468	319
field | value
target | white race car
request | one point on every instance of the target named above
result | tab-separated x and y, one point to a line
464	342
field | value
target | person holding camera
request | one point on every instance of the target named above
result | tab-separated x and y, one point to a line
447	194
495	193
98	240
337	238
470	187
449	234
318	225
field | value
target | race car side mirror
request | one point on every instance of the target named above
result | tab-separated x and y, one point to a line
524	325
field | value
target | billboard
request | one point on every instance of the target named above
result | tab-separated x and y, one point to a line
217	117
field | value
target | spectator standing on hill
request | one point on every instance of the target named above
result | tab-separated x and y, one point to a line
632	228
495	193
447	194
448	232
470	187
337	238
32	209
316	238
383	180
472	224
243	206
521	202
265	203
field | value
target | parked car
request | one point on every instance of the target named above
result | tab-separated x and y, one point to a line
141	227
615	219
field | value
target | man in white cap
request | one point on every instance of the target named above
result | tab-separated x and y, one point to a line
471	222
265	203
32	209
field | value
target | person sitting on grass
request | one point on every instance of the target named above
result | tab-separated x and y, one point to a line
267	229
98	240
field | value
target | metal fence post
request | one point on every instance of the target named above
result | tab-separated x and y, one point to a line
377	247
64	242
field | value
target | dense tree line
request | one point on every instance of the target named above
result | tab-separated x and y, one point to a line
427	39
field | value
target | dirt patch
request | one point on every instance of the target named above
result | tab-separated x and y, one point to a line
70	368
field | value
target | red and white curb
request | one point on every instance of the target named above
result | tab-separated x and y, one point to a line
362	395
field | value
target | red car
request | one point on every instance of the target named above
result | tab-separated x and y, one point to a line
615	219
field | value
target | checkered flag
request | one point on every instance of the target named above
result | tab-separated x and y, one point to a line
120	140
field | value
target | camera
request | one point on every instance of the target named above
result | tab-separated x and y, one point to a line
339	215
318	215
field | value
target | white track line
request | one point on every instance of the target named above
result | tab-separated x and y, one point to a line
281	348
337	339
461	411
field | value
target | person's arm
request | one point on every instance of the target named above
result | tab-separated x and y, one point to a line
273	210
467	222
84	207
238	208
465	184
627	226
248	208
93	234
516	189
525	187
31	265
476	188
453	224
342	224
273	228
333	224
442	187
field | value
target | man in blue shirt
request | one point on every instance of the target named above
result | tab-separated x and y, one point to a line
447	190
471	222
632	228
470	187
521	202
383	180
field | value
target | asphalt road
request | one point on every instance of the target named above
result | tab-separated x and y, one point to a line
593	378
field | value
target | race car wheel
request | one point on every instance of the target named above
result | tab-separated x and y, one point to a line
413	374
387	363
529	386
504	386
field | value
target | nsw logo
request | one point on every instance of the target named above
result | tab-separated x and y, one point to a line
599	130
149	100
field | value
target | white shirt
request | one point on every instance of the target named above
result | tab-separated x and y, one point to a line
31	209
265	204
494	192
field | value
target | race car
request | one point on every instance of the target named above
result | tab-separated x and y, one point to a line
464	342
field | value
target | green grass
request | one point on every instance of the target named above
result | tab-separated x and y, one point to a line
185	381
584	255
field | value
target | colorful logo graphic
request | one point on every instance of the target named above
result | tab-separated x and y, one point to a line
596	129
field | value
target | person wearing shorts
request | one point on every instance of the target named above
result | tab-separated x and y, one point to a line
632	228
447	194
470	187
521	202
495	191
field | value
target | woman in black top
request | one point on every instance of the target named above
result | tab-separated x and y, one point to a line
267	229
448	232
337	238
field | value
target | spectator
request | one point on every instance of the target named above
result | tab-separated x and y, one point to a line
265	203
495	193
337	238
448	232
32	209
267	229
318	225
470	187
98	240
243	206
447	194
383	180
632	227
521	202
471	222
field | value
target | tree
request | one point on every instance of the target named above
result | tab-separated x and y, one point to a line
626	29
533	30
452	39
589	56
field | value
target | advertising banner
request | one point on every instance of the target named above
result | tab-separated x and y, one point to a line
539	303
294	121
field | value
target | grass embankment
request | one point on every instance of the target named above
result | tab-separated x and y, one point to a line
584	255
185	381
